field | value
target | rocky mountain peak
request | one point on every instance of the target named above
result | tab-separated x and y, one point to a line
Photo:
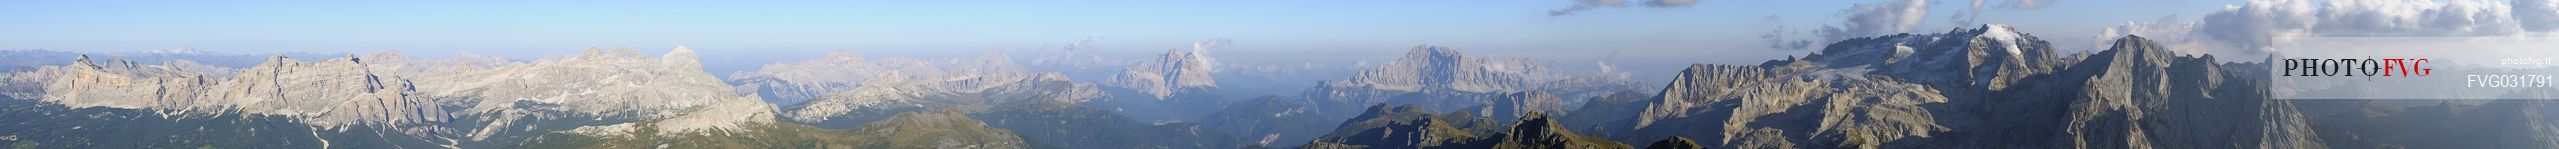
620	52
682	57
1537	130
386	53
993	63
592	50
1434	55
1519	104
84	62
1431	67
2131	46
682	52
1168	73
1891	92
1535	124
615	83
843	55
277	59
1700	85
387	57
625	51
1444	79
794	82
330	93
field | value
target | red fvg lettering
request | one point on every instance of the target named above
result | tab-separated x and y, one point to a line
2402	67
2411	68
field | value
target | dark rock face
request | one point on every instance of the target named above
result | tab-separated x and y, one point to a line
1407	127
1410	127
45	125
1536	130
1518	105
1273	121
1608	118
1066	125
1674	143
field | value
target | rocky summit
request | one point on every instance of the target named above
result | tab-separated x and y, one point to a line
1444	79
1169	73
332	93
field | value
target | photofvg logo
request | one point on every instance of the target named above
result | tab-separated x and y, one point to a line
2411	68
2370	67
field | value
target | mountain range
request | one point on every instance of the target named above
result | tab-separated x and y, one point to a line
1988	86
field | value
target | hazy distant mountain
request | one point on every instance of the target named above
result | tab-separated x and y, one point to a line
590	90
1171	72
1174	86
843	89
863	103
28	60
793	82
1444	79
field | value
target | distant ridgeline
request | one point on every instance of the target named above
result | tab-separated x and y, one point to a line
1977	87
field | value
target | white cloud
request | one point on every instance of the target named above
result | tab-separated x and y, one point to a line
1877	19
1671	3
1968	17
2167	31
1585	5
1777	38
2258	24
2414	18
2029	4
1580	5
2537	15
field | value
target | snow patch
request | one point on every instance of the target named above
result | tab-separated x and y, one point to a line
2001	33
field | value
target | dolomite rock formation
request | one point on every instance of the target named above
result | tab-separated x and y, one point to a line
1169	73
620	83
844	84
333	93
1444	79
1985	87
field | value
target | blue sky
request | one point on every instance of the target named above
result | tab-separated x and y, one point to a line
1279	32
